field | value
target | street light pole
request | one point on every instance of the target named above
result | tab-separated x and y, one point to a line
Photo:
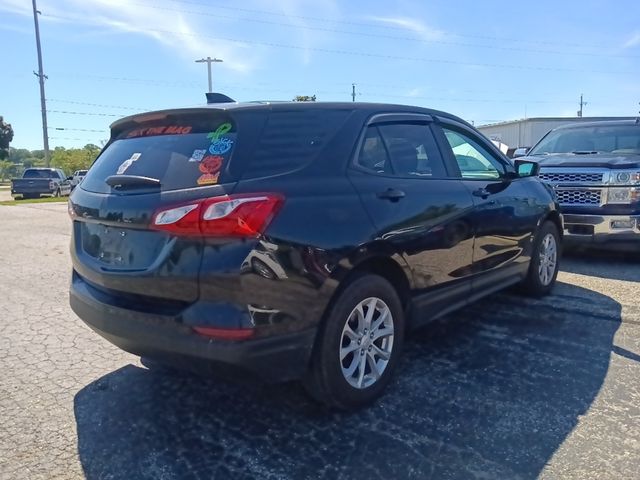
41	77
208	61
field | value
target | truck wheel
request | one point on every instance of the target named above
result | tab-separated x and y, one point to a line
545	262
358	345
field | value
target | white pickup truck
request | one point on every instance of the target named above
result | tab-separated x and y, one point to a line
77	177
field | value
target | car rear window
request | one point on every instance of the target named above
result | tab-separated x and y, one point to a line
39	174
293	139
183	153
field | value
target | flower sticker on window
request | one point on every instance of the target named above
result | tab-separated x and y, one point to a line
210	166
218	132
221	146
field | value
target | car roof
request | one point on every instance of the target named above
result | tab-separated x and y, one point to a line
601	123
372	108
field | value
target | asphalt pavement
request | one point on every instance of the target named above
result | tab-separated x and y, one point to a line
509	388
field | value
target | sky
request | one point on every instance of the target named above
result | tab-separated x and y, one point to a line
485	61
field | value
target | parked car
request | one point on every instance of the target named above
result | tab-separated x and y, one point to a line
77	177
298	240
594	169
40	181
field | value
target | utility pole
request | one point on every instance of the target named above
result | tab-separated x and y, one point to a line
41	77
353	92
582	104
209	61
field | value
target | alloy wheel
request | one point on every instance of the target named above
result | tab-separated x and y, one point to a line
548	259
366	343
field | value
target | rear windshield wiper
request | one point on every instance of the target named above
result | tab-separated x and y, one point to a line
116	181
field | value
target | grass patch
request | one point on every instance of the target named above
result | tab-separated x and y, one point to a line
36	200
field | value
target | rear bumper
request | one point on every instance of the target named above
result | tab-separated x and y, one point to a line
610	231
167	339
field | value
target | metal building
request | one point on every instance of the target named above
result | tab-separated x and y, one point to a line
526	132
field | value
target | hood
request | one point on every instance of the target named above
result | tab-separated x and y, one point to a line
599	160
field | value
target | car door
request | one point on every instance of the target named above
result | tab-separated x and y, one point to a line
420	211
505	214
65	184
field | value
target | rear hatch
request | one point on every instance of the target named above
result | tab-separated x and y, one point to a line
152	163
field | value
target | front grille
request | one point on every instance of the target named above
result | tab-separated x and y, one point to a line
579	197
572	177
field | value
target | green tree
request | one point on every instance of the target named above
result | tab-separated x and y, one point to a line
304	98
18	155
5	169
74	159
6	135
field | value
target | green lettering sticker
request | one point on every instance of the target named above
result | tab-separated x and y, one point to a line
221	130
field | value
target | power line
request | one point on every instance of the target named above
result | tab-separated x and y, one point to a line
100	105
387	37
85	139
76	129
370	54
376	25
65	112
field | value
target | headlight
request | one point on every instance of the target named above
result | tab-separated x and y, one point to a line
625	177
623	195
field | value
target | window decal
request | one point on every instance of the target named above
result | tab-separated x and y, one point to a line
197	155
127	163
218	132
167	130
210	167
221	146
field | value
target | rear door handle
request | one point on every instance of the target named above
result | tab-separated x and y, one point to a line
482	193
392	194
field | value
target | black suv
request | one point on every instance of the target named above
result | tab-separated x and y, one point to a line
300	240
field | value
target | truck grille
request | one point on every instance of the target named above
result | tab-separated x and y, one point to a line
572	177
579	197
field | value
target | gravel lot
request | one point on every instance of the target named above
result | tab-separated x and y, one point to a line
509	388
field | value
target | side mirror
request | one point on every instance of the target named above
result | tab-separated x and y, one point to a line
521	152
69	178
526	168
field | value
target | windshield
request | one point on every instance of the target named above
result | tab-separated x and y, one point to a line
615	139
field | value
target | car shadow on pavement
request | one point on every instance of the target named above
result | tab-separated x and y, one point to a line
602	264
491	392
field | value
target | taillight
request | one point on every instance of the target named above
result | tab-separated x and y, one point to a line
225	216
51	185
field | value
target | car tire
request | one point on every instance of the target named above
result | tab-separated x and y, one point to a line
545	262
356	354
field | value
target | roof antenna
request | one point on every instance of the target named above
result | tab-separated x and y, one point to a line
214	97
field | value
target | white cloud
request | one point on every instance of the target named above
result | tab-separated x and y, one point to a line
295	12
164	23
633	41
412	25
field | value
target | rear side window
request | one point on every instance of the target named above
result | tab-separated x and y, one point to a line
292	140
401	149
181	154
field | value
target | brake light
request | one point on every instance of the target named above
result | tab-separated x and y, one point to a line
224	216
51	185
